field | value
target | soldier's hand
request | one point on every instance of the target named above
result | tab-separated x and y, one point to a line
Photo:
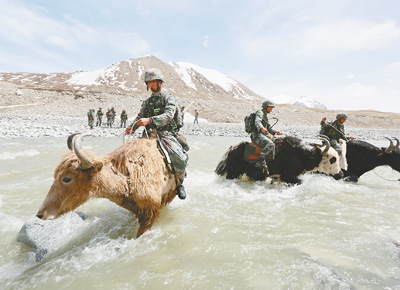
278	133
323	119
143	122
264	131
128	131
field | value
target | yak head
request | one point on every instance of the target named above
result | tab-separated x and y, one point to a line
329	163
391	154
74	181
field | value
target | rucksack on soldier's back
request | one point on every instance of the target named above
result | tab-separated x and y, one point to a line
178	118
249	122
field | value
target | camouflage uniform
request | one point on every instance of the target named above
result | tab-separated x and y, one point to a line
261	121
99	117
109	118
124	117
160	107
113	114
333	134
196	117
90	116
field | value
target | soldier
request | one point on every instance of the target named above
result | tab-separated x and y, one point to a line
99	117
109	118
196	117
159	112
335	131
262	134
113	114
124	117
90	115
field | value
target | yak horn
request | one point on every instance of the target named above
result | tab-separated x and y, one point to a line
328	146
397	142
391	144
86	161
325	141
70	141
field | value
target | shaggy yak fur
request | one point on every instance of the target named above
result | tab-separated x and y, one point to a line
293	157
363	157
134	176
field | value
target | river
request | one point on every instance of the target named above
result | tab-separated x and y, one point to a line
323	234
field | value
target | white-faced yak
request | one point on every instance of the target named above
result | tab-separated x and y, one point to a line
293	157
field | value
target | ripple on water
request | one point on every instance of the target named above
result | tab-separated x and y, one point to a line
322	234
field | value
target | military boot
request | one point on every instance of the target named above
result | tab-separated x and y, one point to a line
181	192
262	164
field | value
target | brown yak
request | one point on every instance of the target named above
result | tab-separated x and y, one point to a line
134	176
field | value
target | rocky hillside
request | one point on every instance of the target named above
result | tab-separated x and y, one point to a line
185	80
218	97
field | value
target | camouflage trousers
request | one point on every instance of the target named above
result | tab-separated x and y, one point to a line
264	142
178	156
336	145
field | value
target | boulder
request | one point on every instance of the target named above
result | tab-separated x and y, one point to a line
48	236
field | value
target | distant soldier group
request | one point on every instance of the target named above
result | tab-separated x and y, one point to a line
110	115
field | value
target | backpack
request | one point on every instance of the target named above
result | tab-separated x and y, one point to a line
249	125
178	118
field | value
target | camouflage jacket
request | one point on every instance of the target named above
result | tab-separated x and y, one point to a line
261	121
160	108
332	133
124	116
90	115
99	113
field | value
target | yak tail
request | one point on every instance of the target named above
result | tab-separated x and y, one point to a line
223	164
232	164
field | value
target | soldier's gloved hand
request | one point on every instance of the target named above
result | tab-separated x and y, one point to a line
323	119
128	131
264	131
351	138
143	122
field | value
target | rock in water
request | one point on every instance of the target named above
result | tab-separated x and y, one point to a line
48	236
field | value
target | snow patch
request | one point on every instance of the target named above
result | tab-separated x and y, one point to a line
211	75
183	73
86	77
299	101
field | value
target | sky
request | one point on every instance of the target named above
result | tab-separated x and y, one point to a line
343	53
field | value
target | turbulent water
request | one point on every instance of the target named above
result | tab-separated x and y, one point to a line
322	234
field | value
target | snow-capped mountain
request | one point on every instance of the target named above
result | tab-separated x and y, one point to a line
300	102
182	78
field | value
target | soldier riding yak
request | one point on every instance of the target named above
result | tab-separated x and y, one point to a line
334	131
280	158
160	115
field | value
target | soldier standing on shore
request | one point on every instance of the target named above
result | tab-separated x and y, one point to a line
99	117
124	117
113	114
109	118
196	117
90	116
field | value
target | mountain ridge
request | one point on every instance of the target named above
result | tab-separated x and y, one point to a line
182	78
